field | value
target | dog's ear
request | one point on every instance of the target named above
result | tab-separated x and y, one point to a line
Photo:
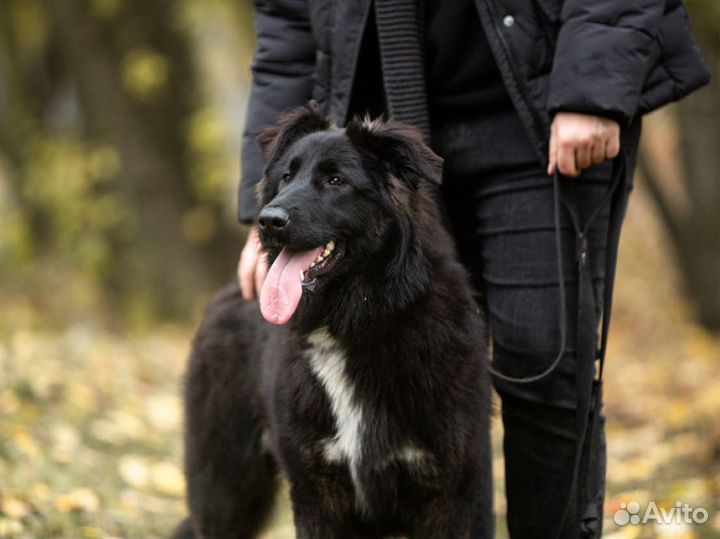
399	147
291	126
274	141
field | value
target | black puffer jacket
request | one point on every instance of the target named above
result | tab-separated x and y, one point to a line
615	58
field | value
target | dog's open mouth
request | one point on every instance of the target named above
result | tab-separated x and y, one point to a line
323	263
289	274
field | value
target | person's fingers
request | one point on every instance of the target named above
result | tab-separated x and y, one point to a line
552	152
579	140
240	267
261	270
599	150
248	262
566	159
613	146
583	155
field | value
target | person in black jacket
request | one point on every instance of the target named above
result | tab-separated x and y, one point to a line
508	92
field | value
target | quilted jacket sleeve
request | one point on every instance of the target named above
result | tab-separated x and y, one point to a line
282	74
604	51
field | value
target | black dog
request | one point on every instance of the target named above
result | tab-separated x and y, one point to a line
369	393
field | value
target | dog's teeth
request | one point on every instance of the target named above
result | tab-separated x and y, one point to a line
319	259
312	265
326	252
330	245
302	275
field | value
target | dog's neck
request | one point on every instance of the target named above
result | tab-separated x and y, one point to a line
419	262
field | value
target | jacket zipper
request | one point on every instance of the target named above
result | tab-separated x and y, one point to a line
525	111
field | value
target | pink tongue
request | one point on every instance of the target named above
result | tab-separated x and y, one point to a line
281	293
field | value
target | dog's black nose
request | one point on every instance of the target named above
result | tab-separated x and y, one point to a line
273	219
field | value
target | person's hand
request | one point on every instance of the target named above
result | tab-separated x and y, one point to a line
578	141
252	268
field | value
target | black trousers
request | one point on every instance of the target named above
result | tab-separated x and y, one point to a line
499	204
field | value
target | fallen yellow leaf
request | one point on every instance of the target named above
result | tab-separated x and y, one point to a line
82	499
134	471
168	479
10	527
13	507
164	412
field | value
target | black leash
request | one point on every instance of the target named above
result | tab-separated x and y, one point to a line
588	385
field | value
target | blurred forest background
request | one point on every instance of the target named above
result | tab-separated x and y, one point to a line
120	124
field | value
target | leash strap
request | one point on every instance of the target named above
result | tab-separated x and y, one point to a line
591	520
588	387
561	298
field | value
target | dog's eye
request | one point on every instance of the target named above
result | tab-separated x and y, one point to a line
286	177
335	180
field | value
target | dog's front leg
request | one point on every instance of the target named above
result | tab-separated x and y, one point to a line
442	519
311	523
322	495
321	507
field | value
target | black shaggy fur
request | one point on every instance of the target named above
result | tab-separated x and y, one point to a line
397	305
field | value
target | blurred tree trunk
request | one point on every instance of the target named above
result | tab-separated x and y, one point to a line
691	210
148	135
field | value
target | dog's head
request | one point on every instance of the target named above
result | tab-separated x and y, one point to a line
335	202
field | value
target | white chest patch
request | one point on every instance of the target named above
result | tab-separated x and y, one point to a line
327	361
